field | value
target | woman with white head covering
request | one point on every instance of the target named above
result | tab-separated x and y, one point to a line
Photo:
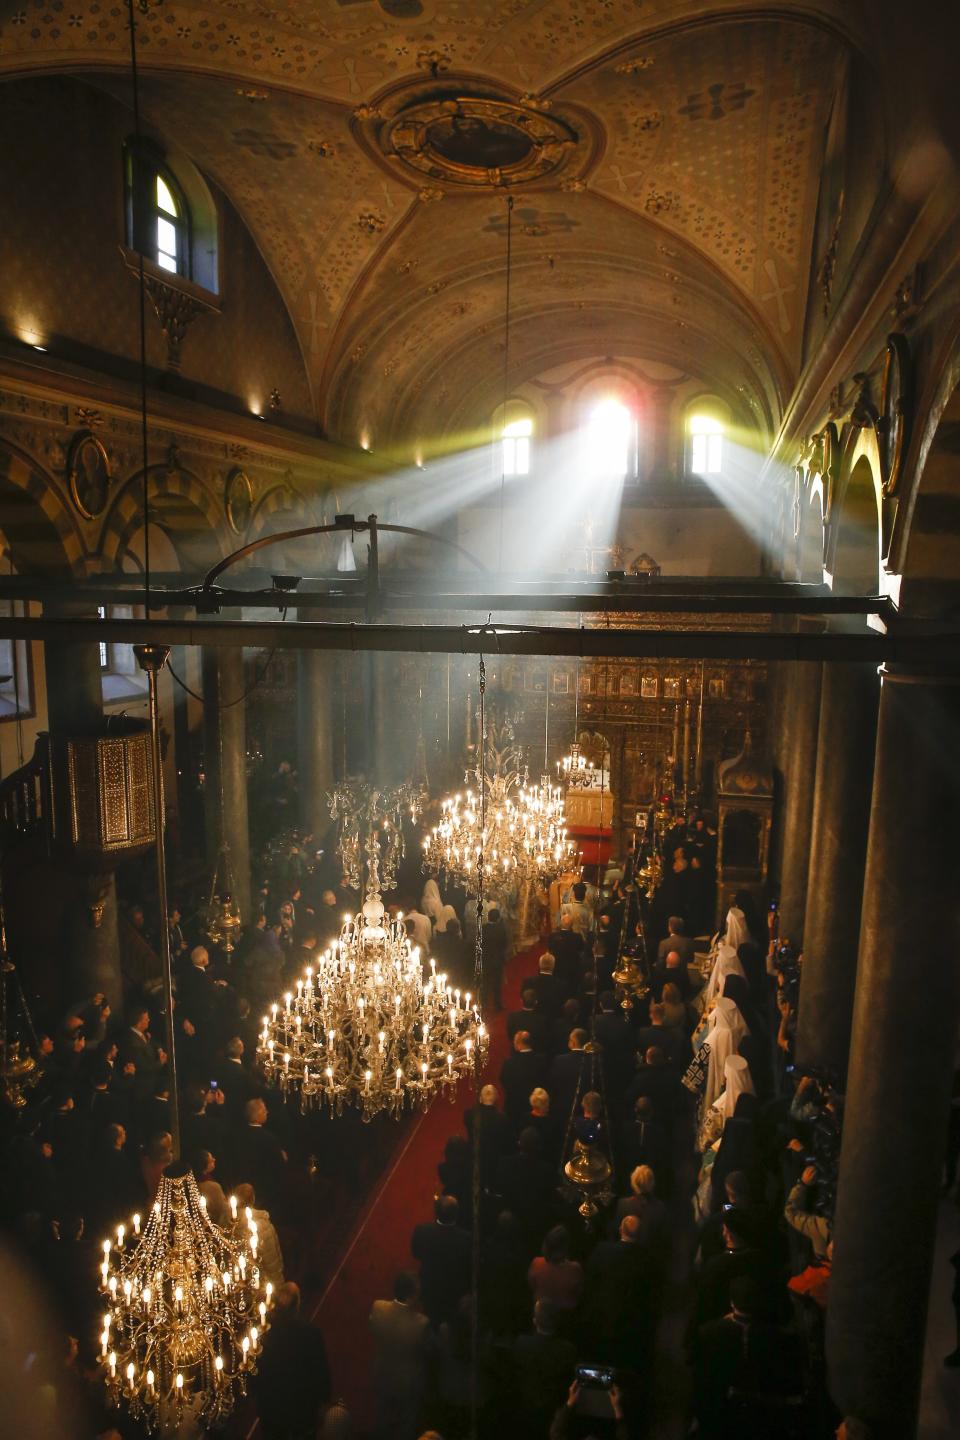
725	1030
447	913
737	1081
431	903
736	932
727	963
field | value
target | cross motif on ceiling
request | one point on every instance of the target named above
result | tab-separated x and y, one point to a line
707	104
777	293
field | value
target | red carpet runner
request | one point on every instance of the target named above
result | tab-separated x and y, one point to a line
380	1243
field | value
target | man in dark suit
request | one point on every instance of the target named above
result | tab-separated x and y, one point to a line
527	1181
521	1072
671	968
260	1159
137	1049
530	1018
569	951
677	939
292	1382
619	1305
443	1250
738	1258
658	1080
612	1031
495	1134
669	1038
543	1366
548	988
568	1072
494	935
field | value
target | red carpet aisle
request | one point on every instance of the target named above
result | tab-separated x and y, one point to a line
380	1244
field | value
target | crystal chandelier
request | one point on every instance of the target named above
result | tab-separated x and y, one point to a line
521	833
361	808
187	1311
365	1027
576	771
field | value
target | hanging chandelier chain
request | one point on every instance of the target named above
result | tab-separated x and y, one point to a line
478	958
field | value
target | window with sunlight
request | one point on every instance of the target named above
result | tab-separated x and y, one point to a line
609	440
515	440
168	227
706	445
158	219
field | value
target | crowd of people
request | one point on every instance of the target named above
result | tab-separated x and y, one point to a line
717	1205
720	1156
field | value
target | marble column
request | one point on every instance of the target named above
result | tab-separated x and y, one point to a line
901	1059
800	720
225	765
72	670
93	944
75	708
316	687
849	698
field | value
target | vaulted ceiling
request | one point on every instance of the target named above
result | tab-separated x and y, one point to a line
671	220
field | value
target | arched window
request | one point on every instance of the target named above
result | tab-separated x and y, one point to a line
512	432
610	441
706	431
158	217
515	439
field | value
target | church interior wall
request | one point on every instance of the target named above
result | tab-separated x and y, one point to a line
67	286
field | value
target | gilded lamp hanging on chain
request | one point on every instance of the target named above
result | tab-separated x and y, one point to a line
365	1026
223	913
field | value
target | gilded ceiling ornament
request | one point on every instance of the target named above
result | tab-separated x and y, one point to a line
634	66
370	222
90	419
429	194
478	141
652	120
535	102
573	185
176	311
906	300
323	148
250	92
433	61
367	112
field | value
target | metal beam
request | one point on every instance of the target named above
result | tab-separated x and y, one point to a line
599	641
344	594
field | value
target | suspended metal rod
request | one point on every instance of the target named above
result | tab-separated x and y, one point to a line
943	649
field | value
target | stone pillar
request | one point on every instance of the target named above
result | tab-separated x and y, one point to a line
801	716
93	944
316	687
75	708
901	1059
225	765
838	850
72	669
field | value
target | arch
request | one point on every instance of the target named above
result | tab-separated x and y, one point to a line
177	502
855	533
810	539
44	538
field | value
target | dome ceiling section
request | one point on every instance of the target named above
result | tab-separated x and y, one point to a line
717	133
445	277
347	50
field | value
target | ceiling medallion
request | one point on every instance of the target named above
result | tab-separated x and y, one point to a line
472	140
